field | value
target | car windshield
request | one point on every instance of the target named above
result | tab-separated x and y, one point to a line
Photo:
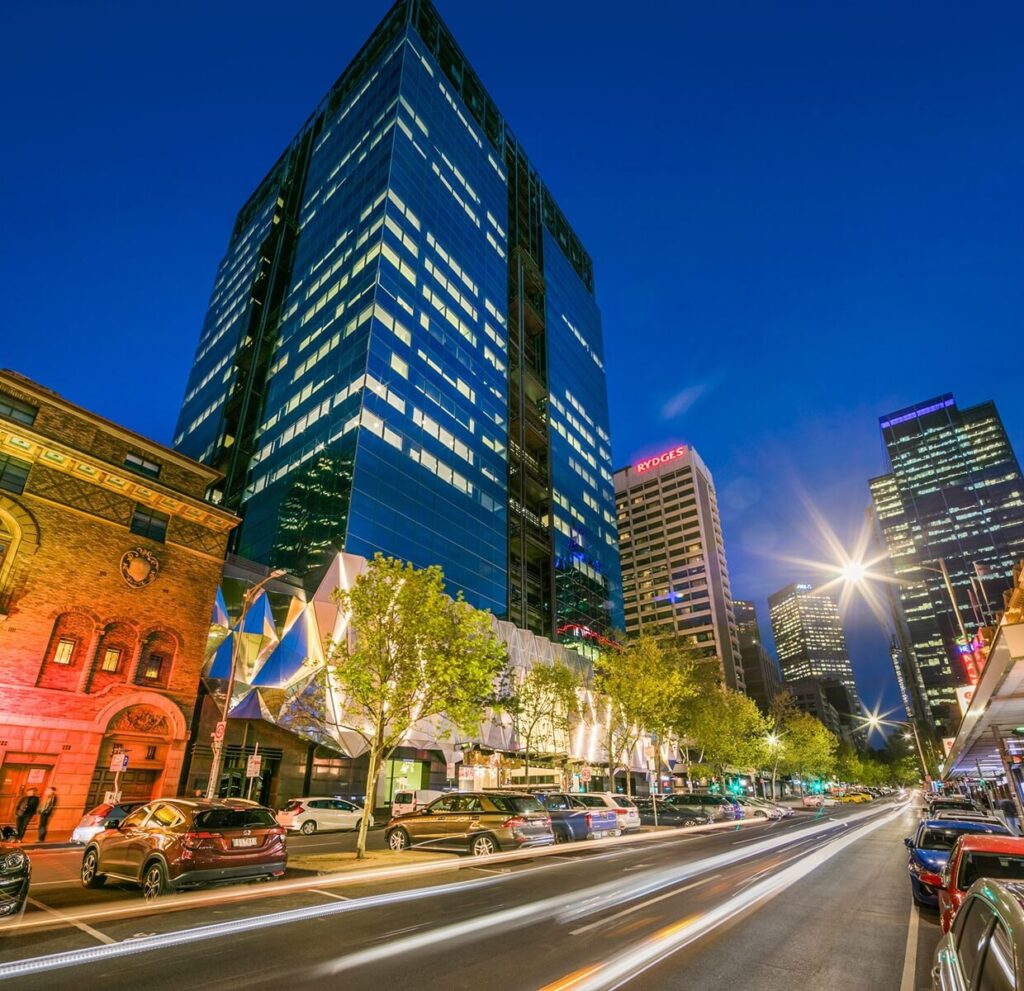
233	818
516	803
994	865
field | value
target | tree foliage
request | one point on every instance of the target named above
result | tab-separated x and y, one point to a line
807	748
644	683
414	653
543	703
726	728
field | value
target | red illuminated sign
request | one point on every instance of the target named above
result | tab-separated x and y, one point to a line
660	459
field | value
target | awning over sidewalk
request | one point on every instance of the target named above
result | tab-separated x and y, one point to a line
996	709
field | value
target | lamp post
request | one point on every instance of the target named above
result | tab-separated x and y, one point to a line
773	740
217	764
941	570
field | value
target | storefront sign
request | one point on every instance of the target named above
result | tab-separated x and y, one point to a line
660	459
585	775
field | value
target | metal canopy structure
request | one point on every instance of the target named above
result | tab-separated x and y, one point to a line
997	706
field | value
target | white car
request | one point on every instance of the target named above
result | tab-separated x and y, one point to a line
308	815
814	801
629	815
756	808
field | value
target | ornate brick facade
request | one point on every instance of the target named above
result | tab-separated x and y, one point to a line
109	563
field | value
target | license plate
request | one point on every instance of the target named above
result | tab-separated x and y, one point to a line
246	841
600	834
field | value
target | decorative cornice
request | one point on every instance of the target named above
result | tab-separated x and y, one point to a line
96	472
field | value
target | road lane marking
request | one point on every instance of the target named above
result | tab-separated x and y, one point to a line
71	921
908	983
330	894
636	908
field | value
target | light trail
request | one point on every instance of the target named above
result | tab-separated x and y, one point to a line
564	907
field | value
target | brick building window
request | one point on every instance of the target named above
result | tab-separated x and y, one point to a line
16	410
157	659
150	523
13	474
153	667
142	465
111	660
65	651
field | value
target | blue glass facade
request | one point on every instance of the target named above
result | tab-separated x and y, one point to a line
353	376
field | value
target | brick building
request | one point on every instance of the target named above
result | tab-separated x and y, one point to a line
110	557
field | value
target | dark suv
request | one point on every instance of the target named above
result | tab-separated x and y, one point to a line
177	843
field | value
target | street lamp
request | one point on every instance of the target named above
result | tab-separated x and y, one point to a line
941	570
217	764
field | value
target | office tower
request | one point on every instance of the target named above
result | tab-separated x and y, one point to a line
809	637
675	579
403	352
760	671
953	499
810	696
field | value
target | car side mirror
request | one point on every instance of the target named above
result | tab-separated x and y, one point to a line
908	842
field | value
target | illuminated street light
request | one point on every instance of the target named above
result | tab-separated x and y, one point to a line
873	721
854	572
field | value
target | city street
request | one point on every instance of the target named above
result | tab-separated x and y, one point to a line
820	899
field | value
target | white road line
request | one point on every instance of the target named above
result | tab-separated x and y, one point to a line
636	908
908	983
331	894
48	884
488	870
95	933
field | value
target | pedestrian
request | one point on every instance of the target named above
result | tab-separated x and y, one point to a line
46	808
24	811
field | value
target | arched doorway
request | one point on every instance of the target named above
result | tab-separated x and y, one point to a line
146	735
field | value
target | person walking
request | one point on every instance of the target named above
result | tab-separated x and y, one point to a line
1009	811
25	809
46	808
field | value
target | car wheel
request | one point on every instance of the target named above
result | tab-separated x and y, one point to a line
308	828
91	877
561	836
483	846
154	880
760	815
398	840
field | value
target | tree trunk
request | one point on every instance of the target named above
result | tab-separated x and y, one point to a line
629	782
775	770
372	772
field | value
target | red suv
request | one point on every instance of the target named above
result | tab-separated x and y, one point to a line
974	856
177	843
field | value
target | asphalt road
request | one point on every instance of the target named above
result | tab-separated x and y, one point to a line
820	899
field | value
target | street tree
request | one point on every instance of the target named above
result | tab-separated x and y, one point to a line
808	748
542	703
414	653
643	684
727	729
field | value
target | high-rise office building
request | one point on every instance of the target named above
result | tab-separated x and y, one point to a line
761	673
953	499
809	637
674	575
403	352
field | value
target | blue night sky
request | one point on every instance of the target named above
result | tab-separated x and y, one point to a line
801	216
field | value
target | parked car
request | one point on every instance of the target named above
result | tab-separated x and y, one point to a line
717	806
623	807
572	820
15	876
985	946
756	808
819	801
943	804
481	822
855	798
409	801
175	843
973	857
311	815
101	817
929	850
670	815
964	816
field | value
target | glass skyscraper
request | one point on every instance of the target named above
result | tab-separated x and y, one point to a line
953	498
403	352
809	637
